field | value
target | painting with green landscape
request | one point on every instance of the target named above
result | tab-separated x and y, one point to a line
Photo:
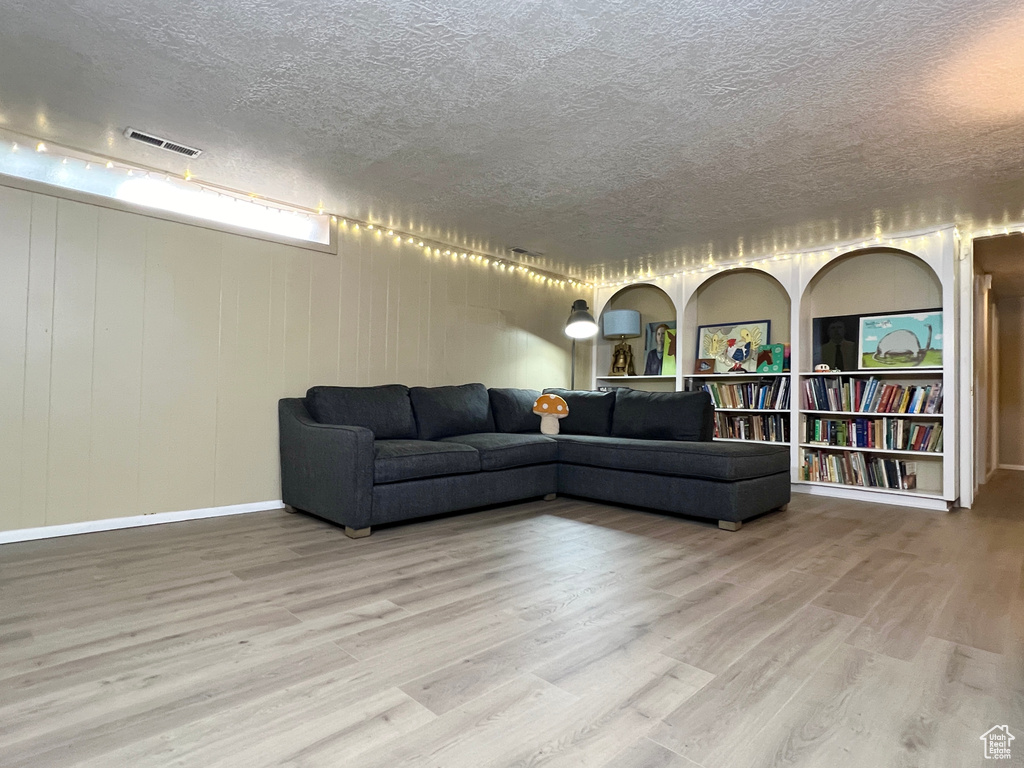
905	340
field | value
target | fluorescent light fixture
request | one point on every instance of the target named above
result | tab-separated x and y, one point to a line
161	192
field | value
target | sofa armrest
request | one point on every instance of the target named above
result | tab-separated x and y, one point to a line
326	469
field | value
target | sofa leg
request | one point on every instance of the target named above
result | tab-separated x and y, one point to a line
729	525
783	508
550	496
357	533
290	509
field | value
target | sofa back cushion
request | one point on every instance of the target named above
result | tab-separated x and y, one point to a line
513	409
590	413
446	411
663	415
385	410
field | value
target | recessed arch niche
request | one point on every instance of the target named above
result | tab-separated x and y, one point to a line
654	306
865	282
734	296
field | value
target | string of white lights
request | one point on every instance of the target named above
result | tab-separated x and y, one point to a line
712	267
438	249
435	248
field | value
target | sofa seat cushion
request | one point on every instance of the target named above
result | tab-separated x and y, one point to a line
397	460
708	460
502	451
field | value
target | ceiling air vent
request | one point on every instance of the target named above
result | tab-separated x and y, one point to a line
156	141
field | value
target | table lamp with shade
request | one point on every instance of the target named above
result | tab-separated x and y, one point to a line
580	325
621	324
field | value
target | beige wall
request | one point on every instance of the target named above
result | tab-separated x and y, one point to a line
141	360
1010	363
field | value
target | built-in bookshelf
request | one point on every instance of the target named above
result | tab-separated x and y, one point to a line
748	406
882	433
873	430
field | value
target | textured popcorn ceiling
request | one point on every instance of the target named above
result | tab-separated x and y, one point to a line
609	136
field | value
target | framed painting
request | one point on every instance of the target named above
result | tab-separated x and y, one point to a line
654	350
834	342
733	346
901	340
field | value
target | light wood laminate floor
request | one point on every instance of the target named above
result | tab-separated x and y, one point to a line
560	633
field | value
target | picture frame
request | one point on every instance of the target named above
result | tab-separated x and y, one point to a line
901	340
835	342
654	347
668	364
733	346
771	358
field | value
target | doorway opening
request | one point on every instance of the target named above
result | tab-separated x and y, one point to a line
998	362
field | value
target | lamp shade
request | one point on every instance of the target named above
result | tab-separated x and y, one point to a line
581	324
621	324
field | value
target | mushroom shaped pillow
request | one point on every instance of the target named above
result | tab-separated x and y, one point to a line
550	408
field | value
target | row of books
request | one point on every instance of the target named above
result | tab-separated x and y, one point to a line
766	393
773	428
871	396
887	434
850	468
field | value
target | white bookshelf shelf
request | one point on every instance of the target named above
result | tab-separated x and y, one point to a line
873	489
727	376
895	451
750	440
922	373
924	416
669	377
752	410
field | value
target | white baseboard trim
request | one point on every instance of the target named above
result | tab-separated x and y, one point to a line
1016	467
875	497
137	521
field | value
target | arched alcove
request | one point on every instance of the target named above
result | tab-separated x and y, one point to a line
864	282
735	296
654	306
871	281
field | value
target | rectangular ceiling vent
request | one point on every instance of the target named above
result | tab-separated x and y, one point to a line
156	141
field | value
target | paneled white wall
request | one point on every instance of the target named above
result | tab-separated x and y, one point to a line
141	360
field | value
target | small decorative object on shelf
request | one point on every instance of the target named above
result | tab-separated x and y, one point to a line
733	346
622	360
705	365
621	324
907	340
822	368
770	358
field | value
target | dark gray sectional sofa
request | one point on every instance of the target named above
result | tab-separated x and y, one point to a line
364	456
